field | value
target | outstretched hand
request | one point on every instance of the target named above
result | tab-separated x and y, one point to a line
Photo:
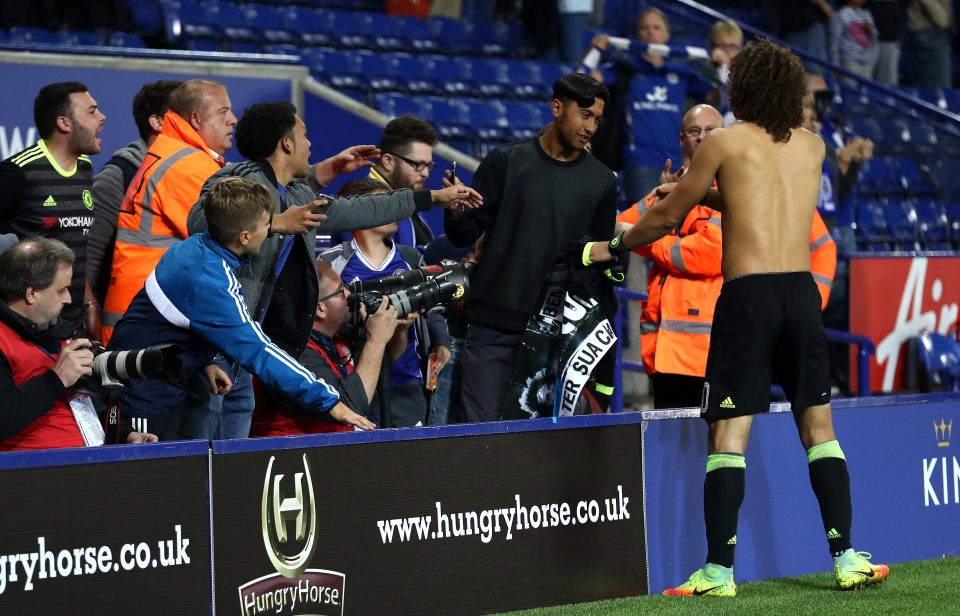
342	413
458	197
351	159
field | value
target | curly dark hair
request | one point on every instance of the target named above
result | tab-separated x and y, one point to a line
767	86
262	126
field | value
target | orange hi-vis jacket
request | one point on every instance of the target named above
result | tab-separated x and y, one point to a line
682	288
153	216
823	257
684	283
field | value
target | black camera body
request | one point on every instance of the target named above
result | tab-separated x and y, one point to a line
415	290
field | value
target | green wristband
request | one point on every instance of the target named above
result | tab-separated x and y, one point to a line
616	246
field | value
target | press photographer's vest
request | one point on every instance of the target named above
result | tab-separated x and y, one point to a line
55	428
271	418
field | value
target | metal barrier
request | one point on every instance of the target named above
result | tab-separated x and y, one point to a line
865	348
623	296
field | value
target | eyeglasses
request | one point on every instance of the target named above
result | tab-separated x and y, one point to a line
341	290
417	165
694	131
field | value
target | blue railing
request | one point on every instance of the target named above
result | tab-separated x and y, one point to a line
623	297
865	349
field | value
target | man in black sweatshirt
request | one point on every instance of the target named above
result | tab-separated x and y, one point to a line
539	196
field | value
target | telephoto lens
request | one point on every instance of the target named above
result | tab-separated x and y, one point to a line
156	362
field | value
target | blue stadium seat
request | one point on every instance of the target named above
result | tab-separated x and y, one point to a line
489	119
952	98
348	30
872	225
938	357
493	38
408	71
450	117
125	39
373	70
382	31
232	21
145	16
270	22
551	72
923	134
488	76
335	69
416	35
866	126
186	19
394	105
877	176
314	28
902	226
524	78
933	225
913	180
447	75
525	119
23	34
453	35
953	218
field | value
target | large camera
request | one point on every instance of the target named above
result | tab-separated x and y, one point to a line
414	290
156	362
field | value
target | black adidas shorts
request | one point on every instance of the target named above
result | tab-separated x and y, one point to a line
766	327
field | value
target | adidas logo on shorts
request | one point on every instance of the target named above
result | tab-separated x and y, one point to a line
727	403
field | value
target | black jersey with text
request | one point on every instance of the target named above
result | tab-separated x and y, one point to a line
38	197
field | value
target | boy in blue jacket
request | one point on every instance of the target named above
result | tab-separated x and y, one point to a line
194	299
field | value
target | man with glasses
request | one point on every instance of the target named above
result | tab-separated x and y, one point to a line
682	285
726	41
330	357
406	161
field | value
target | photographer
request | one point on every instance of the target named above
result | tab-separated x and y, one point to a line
334	360
38	369
372	255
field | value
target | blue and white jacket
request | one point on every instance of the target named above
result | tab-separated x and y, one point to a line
193	299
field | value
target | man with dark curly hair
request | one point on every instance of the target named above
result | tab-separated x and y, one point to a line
767	320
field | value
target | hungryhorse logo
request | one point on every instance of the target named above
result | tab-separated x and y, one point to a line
277	516
294	590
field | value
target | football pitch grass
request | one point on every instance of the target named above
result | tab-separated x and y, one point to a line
920	587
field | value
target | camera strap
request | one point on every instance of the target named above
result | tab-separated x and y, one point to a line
112	416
